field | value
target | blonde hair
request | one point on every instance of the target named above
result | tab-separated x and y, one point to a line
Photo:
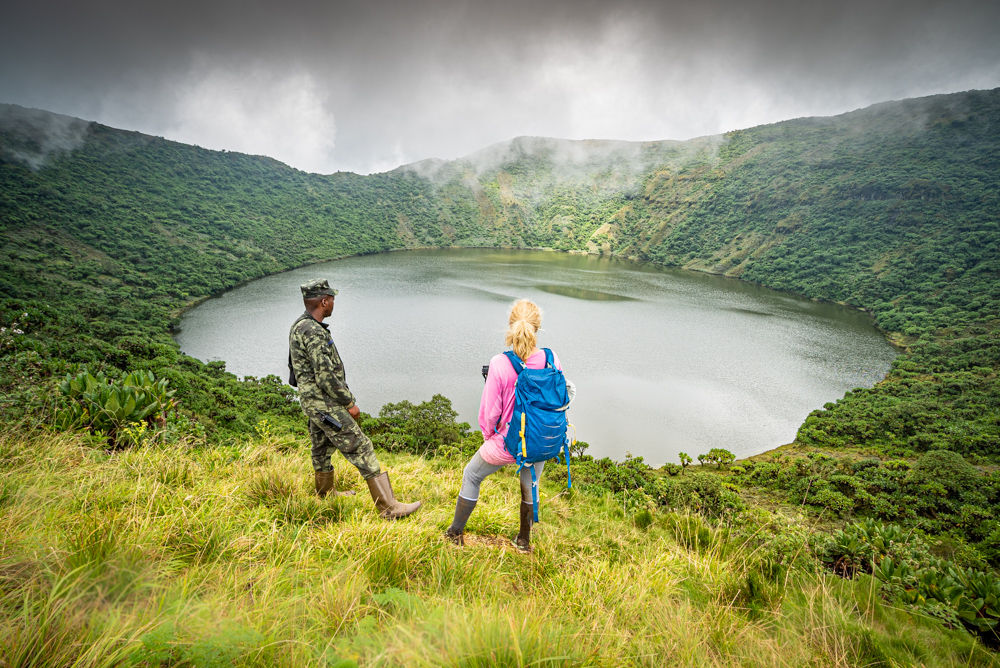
522	329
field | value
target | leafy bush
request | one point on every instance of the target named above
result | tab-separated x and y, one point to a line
420	429
860	546
948	469
907	571
941	493
607	474
832	500
578	448
718	456
700	493
108	407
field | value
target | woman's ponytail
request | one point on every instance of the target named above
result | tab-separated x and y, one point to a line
523	324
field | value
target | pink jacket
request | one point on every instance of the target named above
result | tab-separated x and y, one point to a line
497	404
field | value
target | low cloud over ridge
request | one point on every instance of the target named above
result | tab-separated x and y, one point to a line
369	86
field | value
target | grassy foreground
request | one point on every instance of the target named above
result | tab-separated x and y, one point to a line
187	555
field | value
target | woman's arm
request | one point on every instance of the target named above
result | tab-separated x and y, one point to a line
491	402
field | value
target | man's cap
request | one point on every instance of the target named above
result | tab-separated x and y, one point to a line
317	287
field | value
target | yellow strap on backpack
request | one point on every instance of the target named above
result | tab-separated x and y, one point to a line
524	446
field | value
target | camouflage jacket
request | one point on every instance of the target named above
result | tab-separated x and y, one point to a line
318	368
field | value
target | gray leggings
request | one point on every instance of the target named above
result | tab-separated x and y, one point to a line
477	469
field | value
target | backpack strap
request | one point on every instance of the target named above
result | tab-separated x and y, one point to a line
534	492
534	484
515	361
569	476
518	365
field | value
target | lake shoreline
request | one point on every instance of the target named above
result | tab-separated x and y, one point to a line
656	271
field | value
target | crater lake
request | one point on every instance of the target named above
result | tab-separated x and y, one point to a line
664	361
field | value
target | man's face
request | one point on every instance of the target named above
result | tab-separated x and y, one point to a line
328	306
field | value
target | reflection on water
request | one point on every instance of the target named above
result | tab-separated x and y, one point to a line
582	293
748	311
664	361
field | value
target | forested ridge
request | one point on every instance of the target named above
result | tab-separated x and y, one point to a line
107	235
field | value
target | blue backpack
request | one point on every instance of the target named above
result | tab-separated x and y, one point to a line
537	431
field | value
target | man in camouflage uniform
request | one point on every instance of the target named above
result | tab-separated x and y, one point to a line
327	401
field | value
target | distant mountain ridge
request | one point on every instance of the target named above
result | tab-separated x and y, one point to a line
742	203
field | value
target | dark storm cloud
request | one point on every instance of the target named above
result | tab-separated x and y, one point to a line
369	85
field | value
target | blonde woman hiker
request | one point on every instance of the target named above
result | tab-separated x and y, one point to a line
495	410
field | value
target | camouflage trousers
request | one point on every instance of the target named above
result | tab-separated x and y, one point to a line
350	441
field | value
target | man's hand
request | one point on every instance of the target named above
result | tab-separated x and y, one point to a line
354	411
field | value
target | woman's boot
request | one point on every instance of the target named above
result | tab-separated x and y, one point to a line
523	540
463	508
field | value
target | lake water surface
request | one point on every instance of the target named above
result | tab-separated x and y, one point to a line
664	360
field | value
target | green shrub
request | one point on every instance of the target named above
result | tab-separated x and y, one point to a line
417	428
718	456
979	606
722	457
701	493
904	566
861	546
671	468
833	501
947	469
108	407
615	477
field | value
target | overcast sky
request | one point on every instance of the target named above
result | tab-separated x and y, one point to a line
367	86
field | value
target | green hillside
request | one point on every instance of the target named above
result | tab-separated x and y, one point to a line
106	235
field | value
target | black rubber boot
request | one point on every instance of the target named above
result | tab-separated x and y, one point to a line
463	508
523	540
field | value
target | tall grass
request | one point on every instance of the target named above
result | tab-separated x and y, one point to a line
189	555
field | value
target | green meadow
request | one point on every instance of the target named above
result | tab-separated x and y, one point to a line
185	554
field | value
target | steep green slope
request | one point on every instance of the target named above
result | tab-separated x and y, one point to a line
896	203
569	195
103	243
198	221
892	208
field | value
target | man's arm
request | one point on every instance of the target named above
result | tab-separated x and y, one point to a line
322	352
